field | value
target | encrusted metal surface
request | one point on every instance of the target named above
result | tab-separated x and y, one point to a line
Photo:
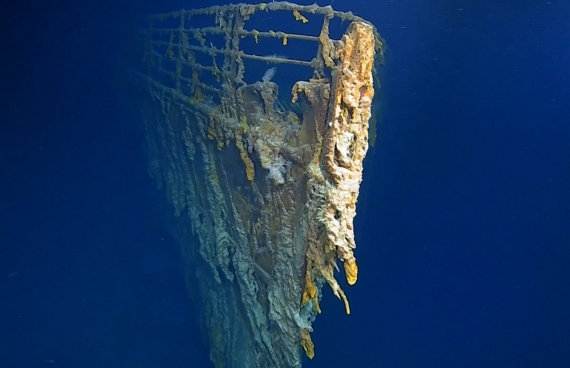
263	190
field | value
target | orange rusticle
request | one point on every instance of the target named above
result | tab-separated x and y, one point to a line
307	344
351	271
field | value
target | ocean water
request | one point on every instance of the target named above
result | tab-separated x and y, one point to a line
463	225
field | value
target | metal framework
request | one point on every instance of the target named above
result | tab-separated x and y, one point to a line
172	44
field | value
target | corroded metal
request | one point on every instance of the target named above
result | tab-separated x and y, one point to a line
263	190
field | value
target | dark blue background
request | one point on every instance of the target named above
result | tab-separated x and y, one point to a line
463	225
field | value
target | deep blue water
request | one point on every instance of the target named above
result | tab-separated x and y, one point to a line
463	226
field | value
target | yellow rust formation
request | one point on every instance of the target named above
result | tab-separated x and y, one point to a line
249	168
298	16
351	271
346	143
336	171
264	190
307	344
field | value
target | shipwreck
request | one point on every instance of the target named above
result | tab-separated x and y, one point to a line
262	177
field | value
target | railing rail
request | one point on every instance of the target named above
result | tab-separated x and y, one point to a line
182	55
